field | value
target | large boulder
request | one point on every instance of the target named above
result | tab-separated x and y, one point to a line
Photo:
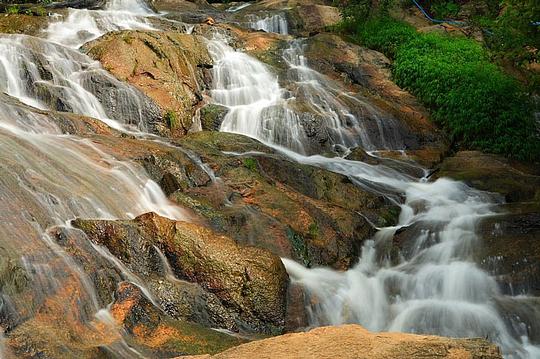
516	182
249	281
298	211
169	67
511	248
353	341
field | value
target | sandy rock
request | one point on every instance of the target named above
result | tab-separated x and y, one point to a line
352	341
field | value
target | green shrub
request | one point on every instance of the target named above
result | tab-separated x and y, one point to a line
13	9
476	102
444	9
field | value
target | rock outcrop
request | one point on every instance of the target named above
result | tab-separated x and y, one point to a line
169	67
249	281
352	341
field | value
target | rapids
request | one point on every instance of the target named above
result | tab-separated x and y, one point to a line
48	177
435	289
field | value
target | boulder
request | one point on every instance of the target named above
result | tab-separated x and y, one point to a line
169	67
249	281
212	116
353	341
299	211
511	248
516	182
152	331
23	24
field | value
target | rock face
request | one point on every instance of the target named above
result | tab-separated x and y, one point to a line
169	67
514	181
511	248
352	341
249	281
296	211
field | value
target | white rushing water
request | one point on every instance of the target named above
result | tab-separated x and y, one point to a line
49	76
435	287
276	23
260	108
48	177
82	25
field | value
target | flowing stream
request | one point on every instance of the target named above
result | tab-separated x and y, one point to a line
48	177
434	289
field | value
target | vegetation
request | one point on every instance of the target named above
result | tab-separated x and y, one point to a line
171	119
479	105
250	164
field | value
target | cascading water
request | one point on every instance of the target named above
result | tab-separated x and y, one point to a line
272	23
254	99
260	108
82	25
50	76
48	177
436	288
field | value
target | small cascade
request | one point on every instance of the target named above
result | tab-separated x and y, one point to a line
254	98
434	287
49	76
82	25
349	120
313	111
276	23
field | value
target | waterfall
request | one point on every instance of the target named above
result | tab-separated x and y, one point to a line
260	108
273	23
49	177
434	289
82	25
49	76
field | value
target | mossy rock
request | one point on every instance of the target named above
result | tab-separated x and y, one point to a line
212	116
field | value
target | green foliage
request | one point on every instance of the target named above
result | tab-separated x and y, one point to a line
478	104
13	9
250	164
171	119
444	9
511	35
384	34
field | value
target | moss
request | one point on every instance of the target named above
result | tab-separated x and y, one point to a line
216	219
299	246
171	119
313	230
250	164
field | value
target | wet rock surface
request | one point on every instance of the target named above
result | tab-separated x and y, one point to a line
249	281
169	67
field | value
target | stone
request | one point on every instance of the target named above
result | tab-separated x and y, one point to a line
169	67
250	281
353	341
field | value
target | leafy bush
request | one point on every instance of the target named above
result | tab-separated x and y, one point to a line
445	9
475	101
13	10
